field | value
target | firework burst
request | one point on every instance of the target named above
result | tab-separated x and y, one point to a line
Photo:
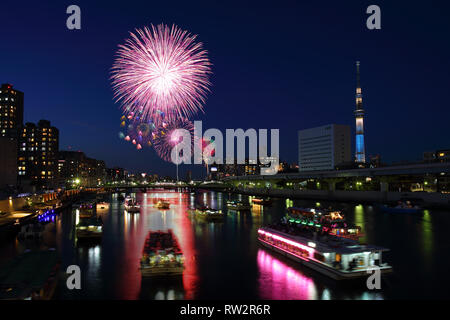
165	137
161	70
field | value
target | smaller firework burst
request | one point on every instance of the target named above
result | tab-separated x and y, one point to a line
137	131
166	138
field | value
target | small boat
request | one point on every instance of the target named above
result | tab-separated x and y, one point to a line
161	204
161	256
86	210
238	205
89	229
103	205
32	275
402	207
208	213
262	202
131	206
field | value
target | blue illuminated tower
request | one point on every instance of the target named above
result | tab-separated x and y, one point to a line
360	154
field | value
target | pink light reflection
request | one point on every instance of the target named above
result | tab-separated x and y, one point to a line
278	281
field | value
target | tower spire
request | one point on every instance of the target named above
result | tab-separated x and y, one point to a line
360	155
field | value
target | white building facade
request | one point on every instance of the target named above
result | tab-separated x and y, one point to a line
323	148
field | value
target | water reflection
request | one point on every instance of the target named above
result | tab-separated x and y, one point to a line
360	221
224	260
278	281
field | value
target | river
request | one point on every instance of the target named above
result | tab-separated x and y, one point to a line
225	261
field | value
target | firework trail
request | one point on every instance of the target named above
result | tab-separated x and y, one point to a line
165	137
162	71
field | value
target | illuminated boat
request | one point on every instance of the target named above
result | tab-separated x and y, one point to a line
131	206
32	275
327	221
103	205
161	204
335	257
89	229
238	205
262	202
86	210
161	256
208	214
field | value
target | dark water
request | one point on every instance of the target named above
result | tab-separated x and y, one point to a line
224	260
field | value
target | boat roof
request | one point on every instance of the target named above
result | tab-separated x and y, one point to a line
330	243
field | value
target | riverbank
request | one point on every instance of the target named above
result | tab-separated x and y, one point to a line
427	199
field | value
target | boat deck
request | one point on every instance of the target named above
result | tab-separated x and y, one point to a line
326	243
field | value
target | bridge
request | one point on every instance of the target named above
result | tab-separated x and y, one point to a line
432	177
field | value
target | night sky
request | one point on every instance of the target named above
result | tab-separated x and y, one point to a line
276	64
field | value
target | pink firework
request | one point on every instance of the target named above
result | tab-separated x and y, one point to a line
165	138
161	70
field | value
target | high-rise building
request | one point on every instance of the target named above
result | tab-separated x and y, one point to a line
323	148
38	154
11	111
360	153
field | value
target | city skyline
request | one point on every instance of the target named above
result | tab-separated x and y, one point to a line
305	76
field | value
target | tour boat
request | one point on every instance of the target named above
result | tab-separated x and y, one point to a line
161	204
238	205
89	229
32	275
337	258
131	206
161	256
328	221
262	202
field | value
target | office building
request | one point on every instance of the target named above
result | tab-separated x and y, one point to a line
323	148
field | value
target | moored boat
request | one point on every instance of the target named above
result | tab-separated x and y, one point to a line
161	256
335	257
